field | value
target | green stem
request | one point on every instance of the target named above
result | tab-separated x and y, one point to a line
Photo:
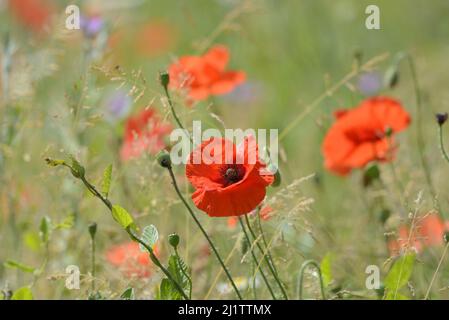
419	136
178	192
172	108
301	276
255	260
93	264
153	257
265	257
443	150
264	240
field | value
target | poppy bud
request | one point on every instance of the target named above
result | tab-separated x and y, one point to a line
441	118
173	239
388	132
163	158
164	79
391	77
277	176
446	237
92	230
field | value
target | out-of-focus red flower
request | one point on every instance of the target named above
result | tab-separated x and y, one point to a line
232	222
359	135
229	180
266	213
144	132
155	38
427	231
205	75
131	260
34	14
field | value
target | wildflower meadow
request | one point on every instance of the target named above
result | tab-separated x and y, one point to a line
224	150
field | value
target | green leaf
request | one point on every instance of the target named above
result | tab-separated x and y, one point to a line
390	295
166	290
180	272
67	223
150	235
23	293
18	265
45	229
122	216
32	240
128	294
326	269
400	273
106	184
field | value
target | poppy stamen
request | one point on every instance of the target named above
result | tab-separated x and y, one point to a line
232	174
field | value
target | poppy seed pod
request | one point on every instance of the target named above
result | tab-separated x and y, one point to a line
163	158
441	118
173	239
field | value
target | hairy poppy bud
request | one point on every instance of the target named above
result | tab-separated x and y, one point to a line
441	118
163	158
173	239
164	78
92	230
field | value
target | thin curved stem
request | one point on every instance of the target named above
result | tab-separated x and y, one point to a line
264	277
173	111
264	240
265	257
436	271
443	150
198	223
301	276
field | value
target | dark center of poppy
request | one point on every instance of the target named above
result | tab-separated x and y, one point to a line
233	174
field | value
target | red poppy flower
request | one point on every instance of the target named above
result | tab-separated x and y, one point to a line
205	75
427	231
34	14
229	180
155	38
130	259
144	132
359	135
